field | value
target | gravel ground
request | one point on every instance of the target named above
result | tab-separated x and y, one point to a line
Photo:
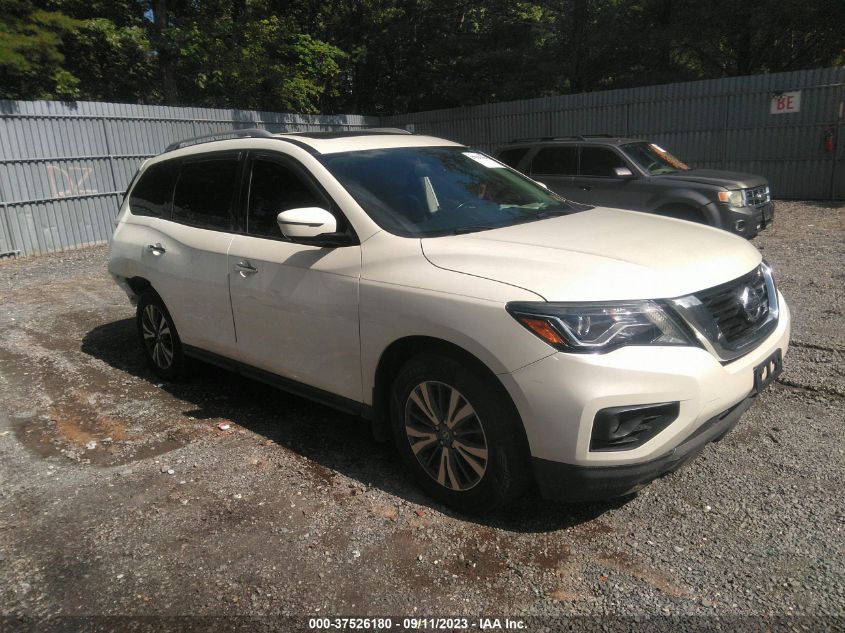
121	496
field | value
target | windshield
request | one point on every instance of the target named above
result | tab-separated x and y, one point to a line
431	191
654	159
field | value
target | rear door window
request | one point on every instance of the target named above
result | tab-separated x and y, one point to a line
556	161
600	161
205	192
151	196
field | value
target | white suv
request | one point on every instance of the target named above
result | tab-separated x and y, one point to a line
503	335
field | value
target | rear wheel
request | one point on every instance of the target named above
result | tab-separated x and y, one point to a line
159	338
458	434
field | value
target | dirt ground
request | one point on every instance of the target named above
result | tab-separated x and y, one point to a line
120	495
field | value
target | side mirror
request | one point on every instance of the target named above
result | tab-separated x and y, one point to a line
306	223
623	172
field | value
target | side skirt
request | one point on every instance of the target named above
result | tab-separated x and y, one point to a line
347	405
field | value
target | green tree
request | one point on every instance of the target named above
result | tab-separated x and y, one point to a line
32	64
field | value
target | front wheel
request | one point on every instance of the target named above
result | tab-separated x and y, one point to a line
159	338
458	434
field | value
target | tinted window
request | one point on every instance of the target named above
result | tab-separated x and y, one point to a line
598	161
151	196
556	161
511	157
205	192
275	187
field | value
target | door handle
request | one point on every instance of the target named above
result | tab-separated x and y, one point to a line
156	249
245	268
587	187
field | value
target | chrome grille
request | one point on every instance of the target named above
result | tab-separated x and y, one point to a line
758	195
732	318
738	307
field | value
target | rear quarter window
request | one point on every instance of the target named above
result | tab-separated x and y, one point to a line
151	195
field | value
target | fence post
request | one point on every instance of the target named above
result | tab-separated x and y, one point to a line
725	131
110	155
837	140
7	229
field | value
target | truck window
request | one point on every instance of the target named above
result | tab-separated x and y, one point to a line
556	161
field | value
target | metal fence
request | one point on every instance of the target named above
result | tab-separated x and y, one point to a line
65	166
719	124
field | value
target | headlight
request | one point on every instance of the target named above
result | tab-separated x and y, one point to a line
734	198
599	327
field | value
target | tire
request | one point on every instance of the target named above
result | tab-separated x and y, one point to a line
683	213
159	338
448	460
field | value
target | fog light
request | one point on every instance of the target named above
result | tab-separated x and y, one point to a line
739	225
624	428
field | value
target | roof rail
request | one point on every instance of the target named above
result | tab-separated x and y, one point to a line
387	130
220	136
576	137
532	139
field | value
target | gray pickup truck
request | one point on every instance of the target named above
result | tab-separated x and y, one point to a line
640	175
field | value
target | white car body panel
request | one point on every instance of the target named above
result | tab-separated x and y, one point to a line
403	295
190	276
635	255
301	298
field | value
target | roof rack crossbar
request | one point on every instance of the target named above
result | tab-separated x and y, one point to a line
220	136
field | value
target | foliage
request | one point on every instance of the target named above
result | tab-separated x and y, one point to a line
385	56
31	60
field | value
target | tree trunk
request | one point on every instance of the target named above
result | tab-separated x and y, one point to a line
165	61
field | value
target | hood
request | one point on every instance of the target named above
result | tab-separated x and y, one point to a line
599	255
727	179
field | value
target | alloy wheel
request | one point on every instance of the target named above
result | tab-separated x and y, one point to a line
158	339
446	435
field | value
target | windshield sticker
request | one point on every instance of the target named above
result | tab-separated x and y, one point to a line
484	160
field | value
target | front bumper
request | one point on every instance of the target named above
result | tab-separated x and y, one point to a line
746	221
559	396
565	482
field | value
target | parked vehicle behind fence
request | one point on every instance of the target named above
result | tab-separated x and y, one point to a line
500	334
642	176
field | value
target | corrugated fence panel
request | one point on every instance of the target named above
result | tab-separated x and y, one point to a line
64	166
718	124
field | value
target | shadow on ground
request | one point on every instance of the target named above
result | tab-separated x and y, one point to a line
334	440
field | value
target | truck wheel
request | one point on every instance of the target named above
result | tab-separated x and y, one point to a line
459	435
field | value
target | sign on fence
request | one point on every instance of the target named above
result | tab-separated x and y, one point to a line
786	102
